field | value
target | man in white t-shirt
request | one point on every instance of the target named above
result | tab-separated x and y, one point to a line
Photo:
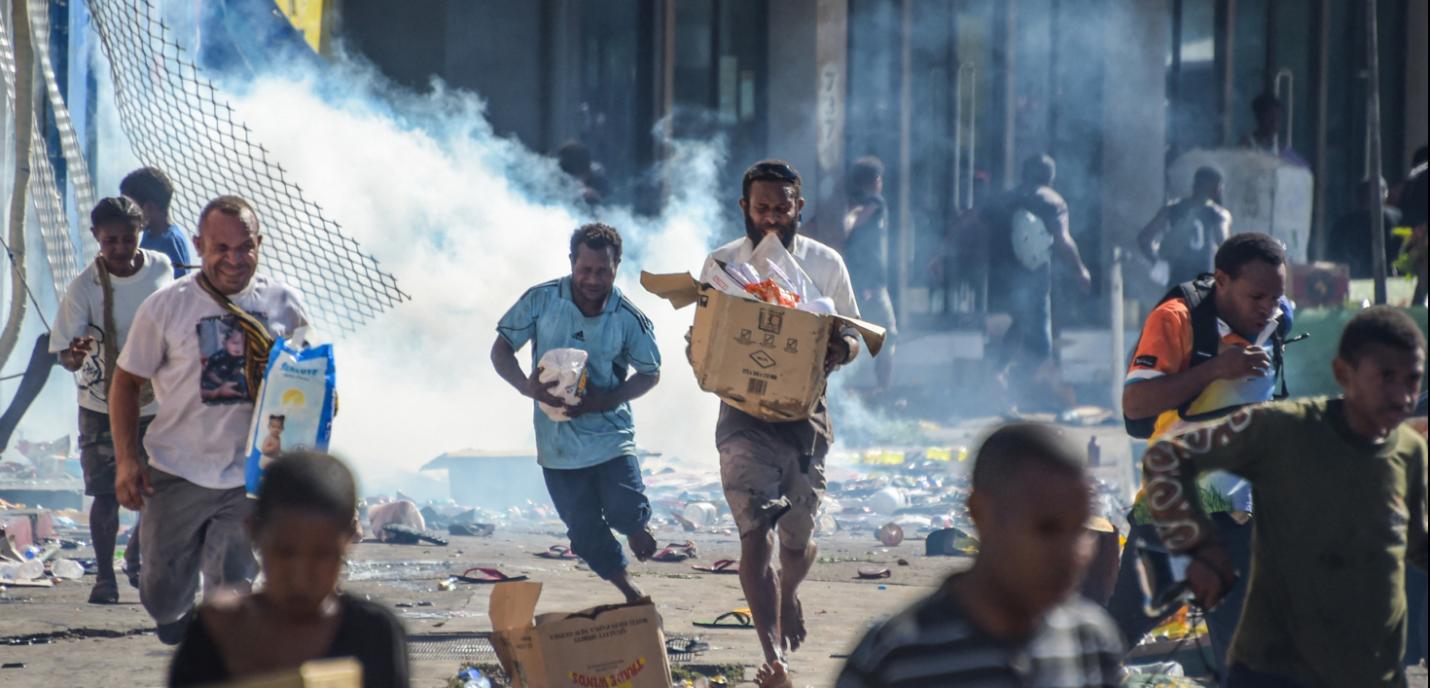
199	341
773	473
88	334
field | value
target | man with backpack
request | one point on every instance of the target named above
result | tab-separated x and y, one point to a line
1030	231
1210	346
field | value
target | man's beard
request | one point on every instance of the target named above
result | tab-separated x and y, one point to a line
786	232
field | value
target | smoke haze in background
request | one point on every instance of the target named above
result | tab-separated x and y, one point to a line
468	222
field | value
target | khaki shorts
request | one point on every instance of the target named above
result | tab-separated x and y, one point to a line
767	488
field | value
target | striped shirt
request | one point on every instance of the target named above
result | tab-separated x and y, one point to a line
934	644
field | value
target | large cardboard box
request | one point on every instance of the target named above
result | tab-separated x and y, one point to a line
614	645
763	359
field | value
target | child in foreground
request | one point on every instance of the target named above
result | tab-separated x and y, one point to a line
302	525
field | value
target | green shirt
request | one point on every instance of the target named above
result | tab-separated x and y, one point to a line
1337	517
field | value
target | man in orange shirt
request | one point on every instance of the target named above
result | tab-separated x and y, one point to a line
1210	347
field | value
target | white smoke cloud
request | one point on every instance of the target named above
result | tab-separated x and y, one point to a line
439	205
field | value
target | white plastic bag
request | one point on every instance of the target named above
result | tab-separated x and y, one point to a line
729	278
774	261
771	275
563	372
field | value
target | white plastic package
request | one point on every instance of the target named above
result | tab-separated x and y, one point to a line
771	259
771	275
295	406
563	372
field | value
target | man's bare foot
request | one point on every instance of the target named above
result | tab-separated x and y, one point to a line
643	544
623	582
774	675
792	632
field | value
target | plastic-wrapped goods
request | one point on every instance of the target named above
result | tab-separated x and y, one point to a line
772	275
295	406
563	372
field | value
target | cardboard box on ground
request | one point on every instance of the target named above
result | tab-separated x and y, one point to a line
763	359
613	645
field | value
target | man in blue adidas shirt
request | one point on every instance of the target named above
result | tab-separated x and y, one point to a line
589	461
152	190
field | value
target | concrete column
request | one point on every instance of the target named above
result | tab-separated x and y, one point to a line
1134	120
808	61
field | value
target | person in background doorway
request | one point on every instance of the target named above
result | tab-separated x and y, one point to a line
152	190
1267	136
1350	239
866	254
1184	234
574	158
1414	206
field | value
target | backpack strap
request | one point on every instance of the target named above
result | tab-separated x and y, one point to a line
1206	337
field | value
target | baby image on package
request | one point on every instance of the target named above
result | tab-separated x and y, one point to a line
294	409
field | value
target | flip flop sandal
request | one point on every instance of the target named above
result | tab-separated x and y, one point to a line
735	618
486	575
676	553
721	566
558	552
874	574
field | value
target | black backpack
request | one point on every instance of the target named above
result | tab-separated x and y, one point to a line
1206	344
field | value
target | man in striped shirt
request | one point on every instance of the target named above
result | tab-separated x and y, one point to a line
1013	619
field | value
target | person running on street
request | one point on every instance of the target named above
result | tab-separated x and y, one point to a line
93	323
193	490
866	253
1209	348
1030	232
589	461
773	473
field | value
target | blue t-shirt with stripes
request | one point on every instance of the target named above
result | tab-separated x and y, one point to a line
617	340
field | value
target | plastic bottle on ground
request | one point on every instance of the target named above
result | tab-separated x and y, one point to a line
67	569
30	570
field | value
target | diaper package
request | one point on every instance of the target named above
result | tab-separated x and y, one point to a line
295	406
563	371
